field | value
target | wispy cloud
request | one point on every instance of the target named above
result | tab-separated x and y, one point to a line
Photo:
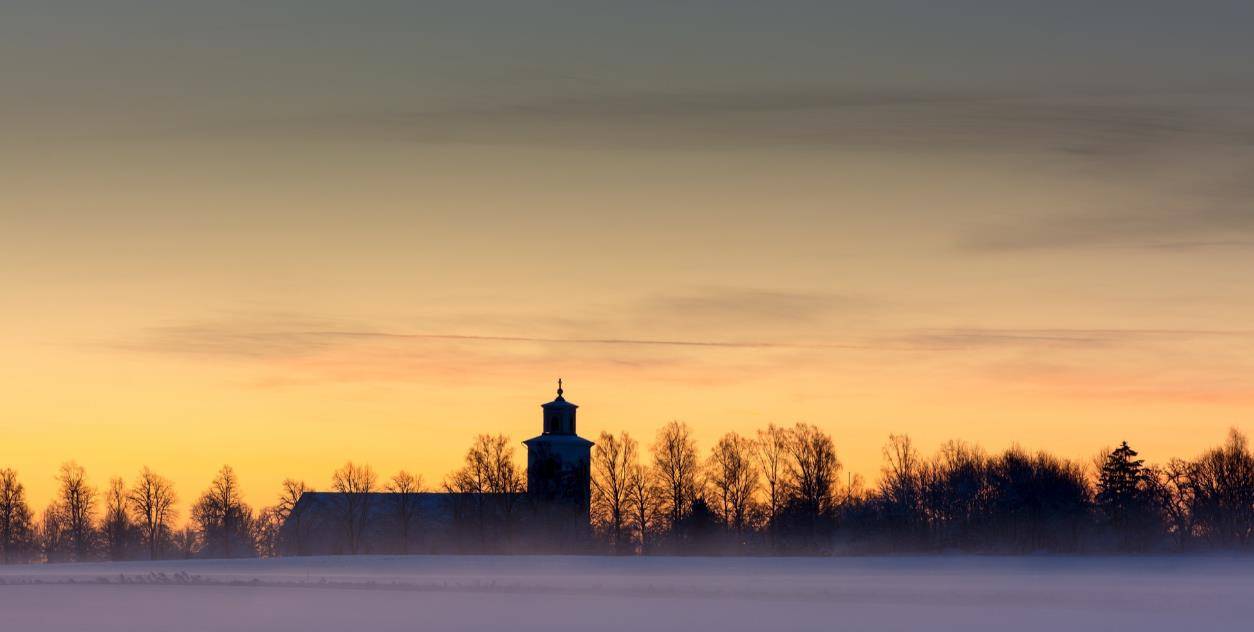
971	338
1211	210
249	337
1226	244
722	309
1081	125
239	340
1170	365
726	344
1178	229
351	350
724	318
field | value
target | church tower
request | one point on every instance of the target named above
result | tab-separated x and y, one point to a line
558	463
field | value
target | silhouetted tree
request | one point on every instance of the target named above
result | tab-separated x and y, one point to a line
264	531
52	537
1173	495
956	496
286	513
1222	482
405	487
16	527
77	504
490	483
613	461
116	527
813	469
808	517
733	481
490	468
644	505
901	492
354	484
1125	498
152	501
1039	502
771	450
677	470
225	523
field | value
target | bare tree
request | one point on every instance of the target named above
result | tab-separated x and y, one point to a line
956	494
612	461
224	521
52	534
489	484
152	501
77	502
813	469
489	469
643	504
734	481
901	486
292	491
771	452
1173	489
405	488
264	529
354	484
676	467
287	515
16	529
1222	480
117	527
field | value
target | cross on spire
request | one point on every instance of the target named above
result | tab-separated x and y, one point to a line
559	387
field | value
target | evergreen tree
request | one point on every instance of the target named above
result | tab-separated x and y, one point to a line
1124	496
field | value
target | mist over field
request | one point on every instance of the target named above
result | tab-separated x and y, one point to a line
383	593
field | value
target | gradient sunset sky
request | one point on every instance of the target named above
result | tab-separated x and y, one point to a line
285	234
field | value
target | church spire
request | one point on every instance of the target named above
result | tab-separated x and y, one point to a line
559	388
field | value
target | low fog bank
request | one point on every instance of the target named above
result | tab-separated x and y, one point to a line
580	593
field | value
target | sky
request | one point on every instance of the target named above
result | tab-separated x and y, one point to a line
287	234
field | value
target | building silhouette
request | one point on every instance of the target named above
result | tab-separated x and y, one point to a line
559	471
551	516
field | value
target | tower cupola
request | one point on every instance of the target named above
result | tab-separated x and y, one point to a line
559	414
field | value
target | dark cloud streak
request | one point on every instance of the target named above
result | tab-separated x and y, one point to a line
240	340
1079	125
1222	216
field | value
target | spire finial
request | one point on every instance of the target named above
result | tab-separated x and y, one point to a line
559	387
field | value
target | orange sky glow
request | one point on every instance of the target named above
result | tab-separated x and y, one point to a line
292	244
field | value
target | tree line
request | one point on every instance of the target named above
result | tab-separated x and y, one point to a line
781	491
139	521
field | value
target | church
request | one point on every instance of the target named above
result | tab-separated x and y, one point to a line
551	516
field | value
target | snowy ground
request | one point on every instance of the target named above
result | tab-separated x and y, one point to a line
553	594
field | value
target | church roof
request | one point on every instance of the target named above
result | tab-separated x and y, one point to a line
560	402
559	439
432	507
